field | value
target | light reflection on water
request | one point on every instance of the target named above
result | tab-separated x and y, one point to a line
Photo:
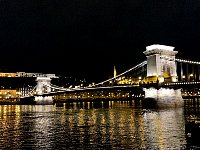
111	125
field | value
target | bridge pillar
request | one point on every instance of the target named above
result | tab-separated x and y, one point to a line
163	97
161	63
41	82
43	86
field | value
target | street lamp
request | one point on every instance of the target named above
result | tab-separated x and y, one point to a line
183	77
139	79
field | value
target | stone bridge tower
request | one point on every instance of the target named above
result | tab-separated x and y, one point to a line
41	82
161	66
44	86
161	63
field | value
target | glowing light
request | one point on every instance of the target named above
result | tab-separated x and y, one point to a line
161	79
157	46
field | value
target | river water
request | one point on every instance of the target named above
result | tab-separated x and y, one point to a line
90	125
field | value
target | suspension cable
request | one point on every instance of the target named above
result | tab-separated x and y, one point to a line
187	61
133	68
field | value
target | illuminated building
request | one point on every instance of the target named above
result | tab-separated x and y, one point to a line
7	94
2	74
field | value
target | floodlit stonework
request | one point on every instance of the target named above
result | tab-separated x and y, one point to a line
161	62
43	86
43	100
164	97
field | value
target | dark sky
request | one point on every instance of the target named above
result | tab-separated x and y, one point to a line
86	38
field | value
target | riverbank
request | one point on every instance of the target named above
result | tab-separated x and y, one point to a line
96	99
15	101
32	102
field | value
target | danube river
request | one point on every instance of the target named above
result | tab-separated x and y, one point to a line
108	125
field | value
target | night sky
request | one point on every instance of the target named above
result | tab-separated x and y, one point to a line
86	38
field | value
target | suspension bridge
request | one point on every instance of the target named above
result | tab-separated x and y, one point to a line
160	76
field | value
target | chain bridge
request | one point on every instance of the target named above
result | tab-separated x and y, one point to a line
161	76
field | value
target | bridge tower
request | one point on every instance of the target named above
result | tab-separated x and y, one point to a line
41	82
43	86
162	67
161	63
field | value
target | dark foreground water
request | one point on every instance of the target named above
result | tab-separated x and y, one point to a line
111	125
